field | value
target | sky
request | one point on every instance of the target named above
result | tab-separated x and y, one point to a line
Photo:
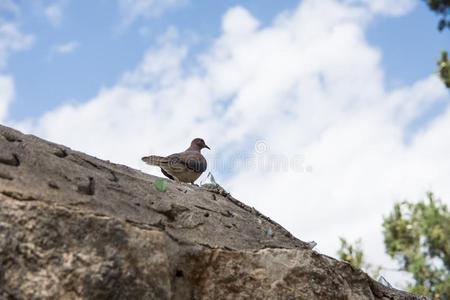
320	114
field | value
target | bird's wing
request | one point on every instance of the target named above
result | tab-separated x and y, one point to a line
191	160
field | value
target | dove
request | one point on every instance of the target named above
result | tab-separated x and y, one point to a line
185	166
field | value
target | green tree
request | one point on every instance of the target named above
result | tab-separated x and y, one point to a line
442	8
354	255
444	68
417	235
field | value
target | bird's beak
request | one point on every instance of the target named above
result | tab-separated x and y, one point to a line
206	146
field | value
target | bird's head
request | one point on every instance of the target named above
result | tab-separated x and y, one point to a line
199	144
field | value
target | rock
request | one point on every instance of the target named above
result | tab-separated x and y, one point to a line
75	227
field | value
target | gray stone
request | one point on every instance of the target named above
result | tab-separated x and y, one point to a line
76	227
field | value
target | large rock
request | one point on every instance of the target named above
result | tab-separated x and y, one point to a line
76	227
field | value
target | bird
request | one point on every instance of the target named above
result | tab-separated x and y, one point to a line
185	166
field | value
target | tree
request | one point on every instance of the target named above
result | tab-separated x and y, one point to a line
442	8
444	68
417	235
354	255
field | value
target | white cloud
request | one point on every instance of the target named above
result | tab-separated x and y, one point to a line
238	21
386	7
159	66
134	9
395	8
6	95
309	84
54	14
11	39
65	48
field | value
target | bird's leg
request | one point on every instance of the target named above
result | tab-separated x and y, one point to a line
187	186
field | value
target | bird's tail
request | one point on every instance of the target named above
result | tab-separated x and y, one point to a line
155	160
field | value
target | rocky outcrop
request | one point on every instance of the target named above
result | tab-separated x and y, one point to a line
76	227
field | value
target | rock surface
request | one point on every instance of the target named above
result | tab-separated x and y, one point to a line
76	227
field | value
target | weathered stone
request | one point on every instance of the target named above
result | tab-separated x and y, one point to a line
76	227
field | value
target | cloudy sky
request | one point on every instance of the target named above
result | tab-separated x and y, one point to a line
320	114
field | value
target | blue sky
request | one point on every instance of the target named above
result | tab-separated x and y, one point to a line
410	45
106	48
320	114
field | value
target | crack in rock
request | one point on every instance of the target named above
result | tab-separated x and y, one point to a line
61	153
53	185
5	176
227	214
13	160
89	162
172	213
18	196
205	208
11	138
84	162
87	189
114	176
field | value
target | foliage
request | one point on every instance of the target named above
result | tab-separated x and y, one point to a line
354	255
441	7
417	235
444	68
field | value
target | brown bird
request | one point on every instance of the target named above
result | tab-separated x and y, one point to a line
185	166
